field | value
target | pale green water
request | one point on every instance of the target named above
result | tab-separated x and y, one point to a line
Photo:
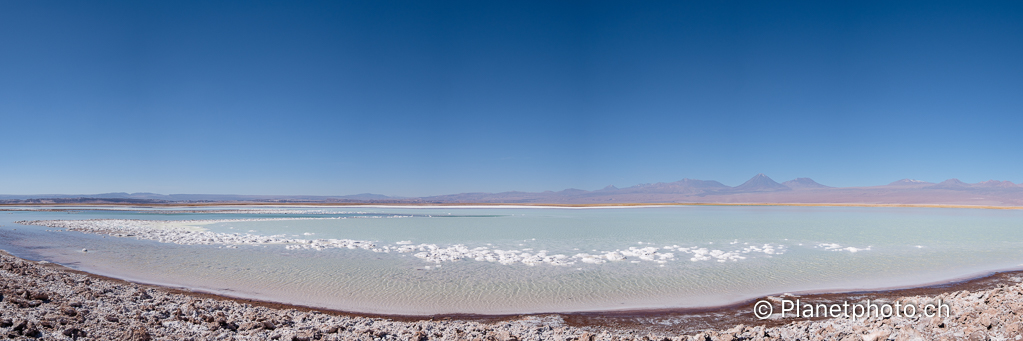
894	247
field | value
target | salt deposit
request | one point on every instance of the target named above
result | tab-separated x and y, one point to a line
189	232
836	247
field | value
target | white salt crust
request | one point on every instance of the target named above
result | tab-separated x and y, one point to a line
187	233
836	247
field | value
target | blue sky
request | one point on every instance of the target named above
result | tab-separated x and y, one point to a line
434	97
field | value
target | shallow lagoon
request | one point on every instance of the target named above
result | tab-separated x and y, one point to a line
815	249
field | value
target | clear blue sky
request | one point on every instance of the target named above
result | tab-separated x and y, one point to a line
433	97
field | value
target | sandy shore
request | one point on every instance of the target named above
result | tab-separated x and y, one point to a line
39	300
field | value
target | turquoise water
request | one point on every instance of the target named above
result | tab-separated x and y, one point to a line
810	249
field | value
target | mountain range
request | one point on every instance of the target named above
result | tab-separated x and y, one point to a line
758	189
763	189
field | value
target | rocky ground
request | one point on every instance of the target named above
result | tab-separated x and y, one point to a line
39	300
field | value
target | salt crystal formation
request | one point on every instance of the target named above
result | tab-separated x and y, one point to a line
178	232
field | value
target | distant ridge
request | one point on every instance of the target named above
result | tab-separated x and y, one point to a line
803	183
367	196
684	186
951	184
910	183
706	184
996	184
164	198
758	189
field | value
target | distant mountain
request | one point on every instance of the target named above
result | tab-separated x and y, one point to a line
126	197
701	184
118	195
760	183
81	200
803	183
366	196
759	189
910	183
996	184
951	184
684	186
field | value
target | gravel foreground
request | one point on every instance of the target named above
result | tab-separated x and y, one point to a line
39	300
